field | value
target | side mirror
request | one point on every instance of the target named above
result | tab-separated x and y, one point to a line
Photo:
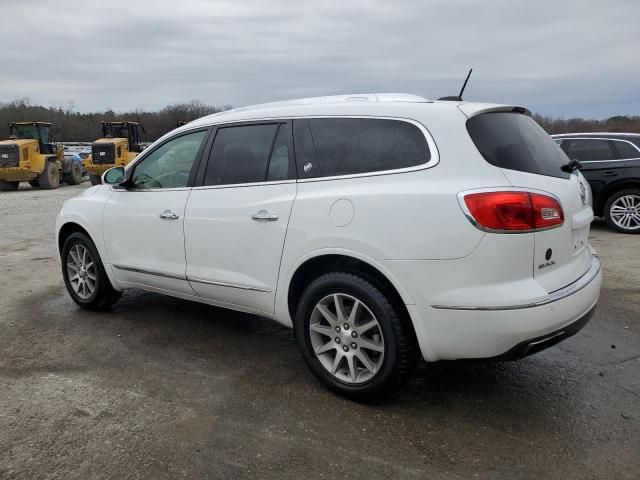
113	176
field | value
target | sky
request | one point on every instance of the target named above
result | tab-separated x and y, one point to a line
561	58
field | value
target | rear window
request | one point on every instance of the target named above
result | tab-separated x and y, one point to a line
516	142
342	146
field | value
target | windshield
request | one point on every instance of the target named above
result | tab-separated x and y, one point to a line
118	131
25	132
516	142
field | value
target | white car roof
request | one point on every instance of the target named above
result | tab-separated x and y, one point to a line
382	104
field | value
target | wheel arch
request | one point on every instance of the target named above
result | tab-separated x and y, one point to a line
319	263
69	228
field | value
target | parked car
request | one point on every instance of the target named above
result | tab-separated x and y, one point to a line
611	164
382	228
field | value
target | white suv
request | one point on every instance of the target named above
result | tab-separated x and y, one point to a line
380	227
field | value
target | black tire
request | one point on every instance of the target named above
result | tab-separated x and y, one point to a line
103	295
34	183
50	176
95	179
7	186
400	347
74	177
635	192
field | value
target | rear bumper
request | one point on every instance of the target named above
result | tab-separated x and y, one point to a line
508	331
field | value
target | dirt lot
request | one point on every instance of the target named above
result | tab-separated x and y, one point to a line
163	388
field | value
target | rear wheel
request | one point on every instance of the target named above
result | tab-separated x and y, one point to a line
84	274
95	179
50	176
622	211
353	339
74	177
7	186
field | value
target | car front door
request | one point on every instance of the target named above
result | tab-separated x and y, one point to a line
143	224
236	220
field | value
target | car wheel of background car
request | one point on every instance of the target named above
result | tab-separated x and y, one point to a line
622	211
6	186
50	176
74	177
84	274
95	179
353	339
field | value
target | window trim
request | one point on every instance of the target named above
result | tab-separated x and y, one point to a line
609	140
130	168
200	177
432	162
433	150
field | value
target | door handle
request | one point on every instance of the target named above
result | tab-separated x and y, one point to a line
169	215
609	174
263	215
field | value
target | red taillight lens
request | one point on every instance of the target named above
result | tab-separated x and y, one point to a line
514	211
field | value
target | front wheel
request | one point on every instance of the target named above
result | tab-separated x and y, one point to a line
622	211
353	339
49	178
95	179
74	177
84	274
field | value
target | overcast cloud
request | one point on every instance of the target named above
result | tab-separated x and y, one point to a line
559	58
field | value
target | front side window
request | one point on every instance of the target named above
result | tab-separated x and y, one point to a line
626	150
590	150
169	166
249	154
342	146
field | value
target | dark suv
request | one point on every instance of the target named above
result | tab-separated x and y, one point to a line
611	164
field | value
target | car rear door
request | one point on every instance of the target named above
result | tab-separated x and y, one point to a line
601	163
236	218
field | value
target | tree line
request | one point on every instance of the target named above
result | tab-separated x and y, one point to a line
73	126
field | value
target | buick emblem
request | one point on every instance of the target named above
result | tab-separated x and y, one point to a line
583	193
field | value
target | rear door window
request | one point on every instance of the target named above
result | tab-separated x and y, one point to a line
591	149
516	142
626	150
343	146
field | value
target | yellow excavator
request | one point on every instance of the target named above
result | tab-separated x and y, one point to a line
120	143
30	155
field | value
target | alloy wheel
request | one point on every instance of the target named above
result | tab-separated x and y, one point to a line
81	270
346	338
625	212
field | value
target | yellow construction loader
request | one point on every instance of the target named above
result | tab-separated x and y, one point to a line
31	156
120	143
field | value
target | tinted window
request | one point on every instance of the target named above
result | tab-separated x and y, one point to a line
279	166
626	150
169	165
346	146
240	154
588	150
516	142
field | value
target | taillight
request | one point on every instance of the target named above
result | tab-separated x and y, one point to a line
514	211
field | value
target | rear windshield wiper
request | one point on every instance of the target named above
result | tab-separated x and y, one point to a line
572	165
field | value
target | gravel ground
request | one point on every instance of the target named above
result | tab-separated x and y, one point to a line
163	388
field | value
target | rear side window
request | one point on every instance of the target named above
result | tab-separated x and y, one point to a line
516	142
626	150
241	155
590	150
342	146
